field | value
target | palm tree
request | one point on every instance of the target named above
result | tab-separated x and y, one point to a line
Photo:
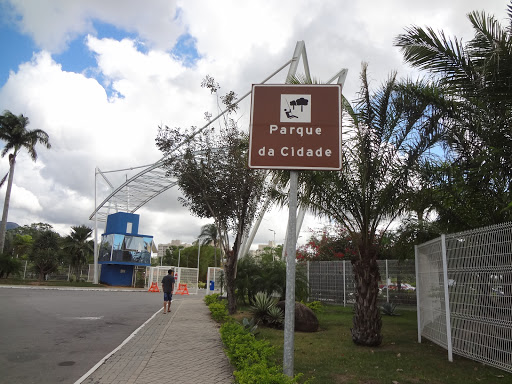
209	234
79	246
478	75
390	130
14	132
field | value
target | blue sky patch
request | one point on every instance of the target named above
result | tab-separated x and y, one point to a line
16	48
185	50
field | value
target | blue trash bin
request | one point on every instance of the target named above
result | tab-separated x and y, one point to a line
212	285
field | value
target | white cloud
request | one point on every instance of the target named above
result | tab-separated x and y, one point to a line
112	122
54	23
23	199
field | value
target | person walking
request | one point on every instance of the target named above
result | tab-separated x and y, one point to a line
168	288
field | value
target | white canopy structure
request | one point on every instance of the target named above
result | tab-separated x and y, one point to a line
151	180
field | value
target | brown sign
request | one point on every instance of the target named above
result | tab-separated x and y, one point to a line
295	127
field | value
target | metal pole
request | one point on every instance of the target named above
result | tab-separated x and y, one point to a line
387	282
307	272
446	300
289	318
344	286
179	255
198	254
418	304
95	279
273	244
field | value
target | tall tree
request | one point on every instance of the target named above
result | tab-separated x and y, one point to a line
475	179
14	132
389	131
45	253
79	246
208	235
212	173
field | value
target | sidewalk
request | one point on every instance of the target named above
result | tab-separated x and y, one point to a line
182	347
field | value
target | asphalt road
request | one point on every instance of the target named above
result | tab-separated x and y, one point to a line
56	336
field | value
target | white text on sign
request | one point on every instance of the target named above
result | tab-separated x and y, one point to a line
296	152
301	131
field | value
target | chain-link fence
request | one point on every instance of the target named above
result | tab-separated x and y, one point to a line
333	282
63	273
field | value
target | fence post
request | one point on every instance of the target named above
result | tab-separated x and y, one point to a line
344	286
387	282
418	307
446	300
307	276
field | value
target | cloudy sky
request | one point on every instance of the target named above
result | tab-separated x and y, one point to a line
100	76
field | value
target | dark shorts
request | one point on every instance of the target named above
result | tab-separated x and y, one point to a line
167	296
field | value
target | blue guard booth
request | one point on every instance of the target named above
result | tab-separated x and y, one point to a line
122	248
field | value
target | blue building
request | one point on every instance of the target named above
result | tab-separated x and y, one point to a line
122	248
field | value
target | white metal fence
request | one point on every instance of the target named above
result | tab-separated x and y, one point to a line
214	280
182	275
464	290
333	281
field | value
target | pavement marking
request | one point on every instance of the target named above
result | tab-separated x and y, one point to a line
85	318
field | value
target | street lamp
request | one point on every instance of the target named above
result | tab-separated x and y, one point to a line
273	244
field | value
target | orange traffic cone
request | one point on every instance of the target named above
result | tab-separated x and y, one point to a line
153	288
182	289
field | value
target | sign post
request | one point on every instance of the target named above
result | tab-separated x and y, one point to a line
294	127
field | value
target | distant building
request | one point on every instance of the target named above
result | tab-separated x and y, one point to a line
261	247
162	248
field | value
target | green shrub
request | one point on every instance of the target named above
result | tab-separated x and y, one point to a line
201	285
219	311
268	276
275	316
264	310
251	357
389	309
262	302
315	306
249	325
208	299
9	265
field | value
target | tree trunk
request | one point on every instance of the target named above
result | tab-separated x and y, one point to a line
230	275
3	225
367	321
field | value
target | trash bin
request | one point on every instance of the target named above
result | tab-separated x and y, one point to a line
212	285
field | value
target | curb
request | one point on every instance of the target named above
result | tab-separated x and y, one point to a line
74	288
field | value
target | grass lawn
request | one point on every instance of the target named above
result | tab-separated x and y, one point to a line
330	356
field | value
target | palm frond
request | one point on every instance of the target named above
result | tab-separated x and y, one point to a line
2	182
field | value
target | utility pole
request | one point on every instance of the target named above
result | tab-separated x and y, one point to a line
273	244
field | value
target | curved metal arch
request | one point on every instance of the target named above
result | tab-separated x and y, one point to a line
153	181
150	173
